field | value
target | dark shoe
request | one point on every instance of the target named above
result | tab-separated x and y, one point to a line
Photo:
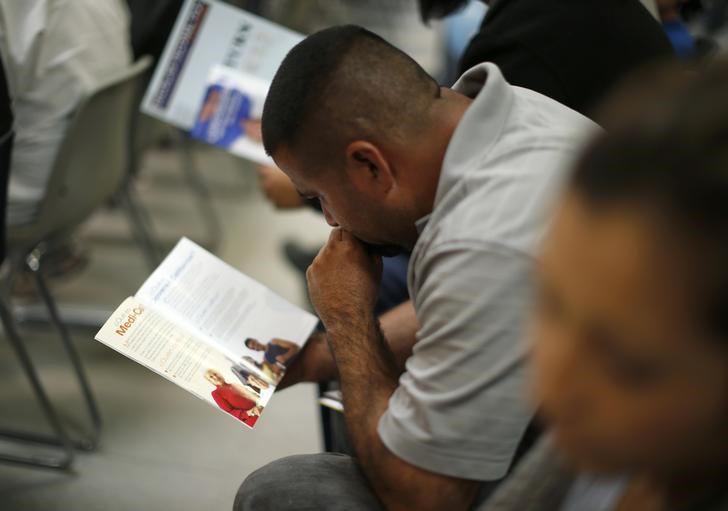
65	260
62	261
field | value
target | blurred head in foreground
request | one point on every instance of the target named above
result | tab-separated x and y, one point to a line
631	327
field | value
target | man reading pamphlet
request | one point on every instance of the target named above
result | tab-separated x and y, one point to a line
192	322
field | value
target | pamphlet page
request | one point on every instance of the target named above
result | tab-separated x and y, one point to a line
213	331
170	350
239	316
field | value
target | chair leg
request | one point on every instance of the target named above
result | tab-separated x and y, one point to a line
140	225
33	263
204	200
65	459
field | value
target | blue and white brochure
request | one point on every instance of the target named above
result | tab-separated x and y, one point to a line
229	114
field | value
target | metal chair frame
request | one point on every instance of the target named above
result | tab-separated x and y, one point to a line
89	169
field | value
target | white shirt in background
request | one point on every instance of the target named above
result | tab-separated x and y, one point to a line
55	52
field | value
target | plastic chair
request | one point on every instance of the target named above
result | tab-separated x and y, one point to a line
59	437
64	458
144	131
90	167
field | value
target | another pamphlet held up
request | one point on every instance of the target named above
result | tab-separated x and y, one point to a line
214	73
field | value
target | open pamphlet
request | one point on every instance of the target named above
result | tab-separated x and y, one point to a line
214	74
213	331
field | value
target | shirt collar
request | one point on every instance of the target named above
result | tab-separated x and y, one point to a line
478	129
481	124
422	223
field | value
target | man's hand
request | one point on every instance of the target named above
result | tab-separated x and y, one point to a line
343	280
313	363
278	188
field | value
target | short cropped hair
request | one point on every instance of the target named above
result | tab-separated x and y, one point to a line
666	151
340	84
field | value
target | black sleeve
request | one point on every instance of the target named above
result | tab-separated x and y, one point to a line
573	51
6	113
518	65
151	25
6	142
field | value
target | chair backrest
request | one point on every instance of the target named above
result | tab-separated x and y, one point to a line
92	160
146	130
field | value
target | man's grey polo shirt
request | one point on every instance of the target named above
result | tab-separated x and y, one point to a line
461	407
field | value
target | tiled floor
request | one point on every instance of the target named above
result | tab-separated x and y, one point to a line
161	448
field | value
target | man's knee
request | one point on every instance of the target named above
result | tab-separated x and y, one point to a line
307	483
268	485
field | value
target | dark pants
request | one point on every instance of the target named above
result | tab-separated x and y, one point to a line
316	482
310	482
393	289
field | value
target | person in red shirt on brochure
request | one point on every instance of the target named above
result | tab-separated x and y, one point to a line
236	400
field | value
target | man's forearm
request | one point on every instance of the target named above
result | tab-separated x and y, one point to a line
369	374
342	283
367	370
316	363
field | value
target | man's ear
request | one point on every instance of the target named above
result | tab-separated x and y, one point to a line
368	168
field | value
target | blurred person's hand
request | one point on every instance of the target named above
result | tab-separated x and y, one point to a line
252	130
278	188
